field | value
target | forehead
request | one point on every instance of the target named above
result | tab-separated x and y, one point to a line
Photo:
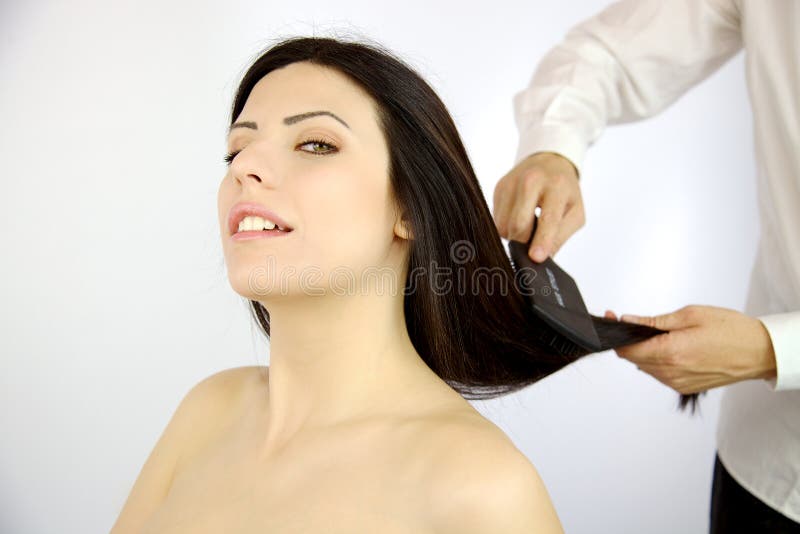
303	86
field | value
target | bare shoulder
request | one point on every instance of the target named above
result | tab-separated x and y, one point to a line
218	393
480	482
200	414
213	399
213	403
229	384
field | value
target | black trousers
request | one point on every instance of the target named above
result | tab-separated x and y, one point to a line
735	510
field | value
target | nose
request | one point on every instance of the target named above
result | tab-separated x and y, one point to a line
253	167
249	177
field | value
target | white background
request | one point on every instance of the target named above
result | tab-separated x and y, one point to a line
115	300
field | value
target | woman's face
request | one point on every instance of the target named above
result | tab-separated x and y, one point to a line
328	181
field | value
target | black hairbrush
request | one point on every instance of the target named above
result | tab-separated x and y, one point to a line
554	298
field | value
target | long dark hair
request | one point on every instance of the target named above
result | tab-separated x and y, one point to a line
484	343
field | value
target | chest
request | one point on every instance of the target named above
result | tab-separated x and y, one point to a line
349	484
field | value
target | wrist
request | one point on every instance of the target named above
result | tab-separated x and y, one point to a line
556	160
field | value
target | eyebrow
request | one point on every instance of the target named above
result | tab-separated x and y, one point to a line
288	120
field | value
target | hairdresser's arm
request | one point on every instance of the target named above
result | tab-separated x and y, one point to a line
626	63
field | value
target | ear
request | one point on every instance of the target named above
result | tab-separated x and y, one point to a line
403	229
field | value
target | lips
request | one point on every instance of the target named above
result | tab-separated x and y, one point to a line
241	210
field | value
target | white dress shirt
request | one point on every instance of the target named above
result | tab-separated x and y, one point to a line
631	61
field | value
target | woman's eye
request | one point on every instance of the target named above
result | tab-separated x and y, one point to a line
318	147
326	148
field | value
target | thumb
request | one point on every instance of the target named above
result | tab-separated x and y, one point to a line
668	321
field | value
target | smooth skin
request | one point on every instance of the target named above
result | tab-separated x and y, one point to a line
348	430
706	346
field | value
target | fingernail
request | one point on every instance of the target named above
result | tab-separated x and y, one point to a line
538	254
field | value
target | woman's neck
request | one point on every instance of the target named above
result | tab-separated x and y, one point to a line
335	359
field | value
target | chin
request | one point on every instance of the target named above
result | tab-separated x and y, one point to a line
259	281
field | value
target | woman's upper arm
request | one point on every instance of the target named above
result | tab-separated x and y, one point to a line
193	417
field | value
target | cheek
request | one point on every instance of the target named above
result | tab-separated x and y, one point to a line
225	199
348	216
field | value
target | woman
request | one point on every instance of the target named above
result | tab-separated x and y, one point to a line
360	423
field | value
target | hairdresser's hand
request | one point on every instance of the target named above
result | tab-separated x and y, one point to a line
547	180
705	347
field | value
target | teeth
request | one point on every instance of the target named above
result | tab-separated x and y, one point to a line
256	223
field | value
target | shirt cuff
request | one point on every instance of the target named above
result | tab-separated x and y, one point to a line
784	331
550	138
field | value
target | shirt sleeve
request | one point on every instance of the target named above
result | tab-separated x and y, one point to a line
784	331
626	63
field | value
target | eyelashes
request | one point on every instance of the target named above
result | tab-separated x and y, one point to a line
329	148
319	142
229	157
